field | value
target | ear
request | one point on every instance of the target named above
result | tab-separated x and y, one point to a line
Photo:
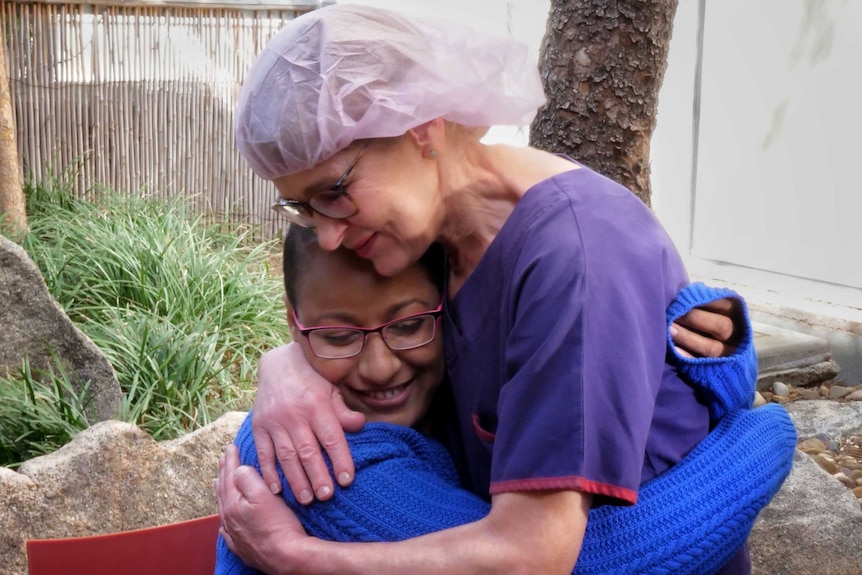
291	322
287	308
427	134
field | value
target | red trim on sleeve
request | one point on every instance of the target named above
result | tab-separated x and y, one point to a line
482	433
570	483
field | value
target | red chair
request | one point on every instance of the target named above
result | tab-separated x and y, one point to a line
186	548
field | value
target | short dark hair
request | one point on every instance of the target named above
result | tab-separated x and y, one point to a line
300	246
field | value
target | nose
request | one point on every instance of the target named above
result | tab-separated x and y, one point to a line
377	364
330	233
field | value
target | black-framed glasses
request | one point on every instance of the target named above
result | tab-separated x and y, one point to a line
341	342
333	202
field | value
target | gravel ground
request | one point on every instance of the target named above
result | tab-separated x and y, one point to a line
842	458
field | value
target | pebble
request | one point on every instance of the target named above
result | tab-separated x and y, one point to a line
811	445
825	462
759	399
780	388
848	483
837	391
809	393
854	395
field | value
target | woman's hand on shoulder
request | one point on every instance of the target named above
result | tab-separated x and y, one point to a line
712	330
298	415
256	525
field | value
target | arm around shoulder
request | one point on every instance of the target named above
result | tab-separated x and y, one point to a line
409	484
297	416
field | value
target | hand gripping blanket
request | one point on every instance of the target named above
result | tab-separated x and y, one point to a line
690	520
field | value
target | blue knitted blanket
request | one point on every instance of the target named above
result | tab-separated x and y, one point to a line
688	521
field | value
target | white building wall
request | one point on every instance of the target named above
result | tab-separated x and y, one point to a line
754	164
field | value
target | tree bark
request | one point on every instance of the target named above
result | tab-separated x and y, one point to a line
602	64
13	214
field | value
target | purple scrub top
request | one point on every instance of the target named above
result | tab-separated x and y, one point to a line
555	347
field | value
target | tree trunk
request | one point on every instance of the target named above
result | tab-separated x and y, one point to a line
13	214
602	63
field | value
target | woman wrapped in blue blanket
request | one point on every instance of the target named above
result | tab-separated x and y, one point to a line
689	520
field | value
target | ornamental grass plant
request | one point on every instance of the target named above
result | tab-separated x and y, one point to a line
181	306
39	413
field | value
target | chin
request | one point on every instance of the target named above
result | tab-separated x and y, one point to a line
405	419
396	419
391	266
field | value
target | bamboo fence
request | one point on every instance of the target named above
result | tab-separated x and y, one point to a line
139	98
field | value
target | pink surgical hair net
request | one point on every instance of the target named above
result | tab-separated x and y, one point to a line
344	73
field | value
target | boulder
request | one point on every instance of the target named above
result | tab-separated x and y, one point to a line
35	327
828	420
112	477
814	523
813	526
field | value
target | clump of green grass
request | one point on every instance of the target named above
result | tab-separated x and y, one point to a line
182	307
39	413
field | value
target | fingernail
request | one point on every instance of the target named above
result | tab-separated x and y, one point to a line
275	488
305	496
673	330
343	478
323	492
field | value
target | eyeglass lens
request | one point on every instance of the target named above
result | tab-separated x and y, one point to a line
343	342
334	203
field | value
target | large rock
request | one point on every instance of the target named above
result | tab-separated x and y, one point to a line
827	420
111	477
813	526
34	326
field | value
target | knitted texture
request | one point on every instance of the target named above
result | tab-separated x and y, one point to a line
405	485
690	520
724	383
693	518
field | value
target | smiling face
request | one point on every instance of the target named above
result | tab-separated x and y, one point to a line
399	209
339	289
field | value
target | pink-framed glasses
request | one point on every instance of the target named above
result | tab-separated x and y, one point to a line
341	342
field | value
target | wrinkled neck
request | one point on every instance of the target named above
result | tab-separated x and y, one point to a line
483	192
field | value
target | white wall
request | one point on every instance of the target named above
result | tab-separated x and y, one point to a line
760	192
